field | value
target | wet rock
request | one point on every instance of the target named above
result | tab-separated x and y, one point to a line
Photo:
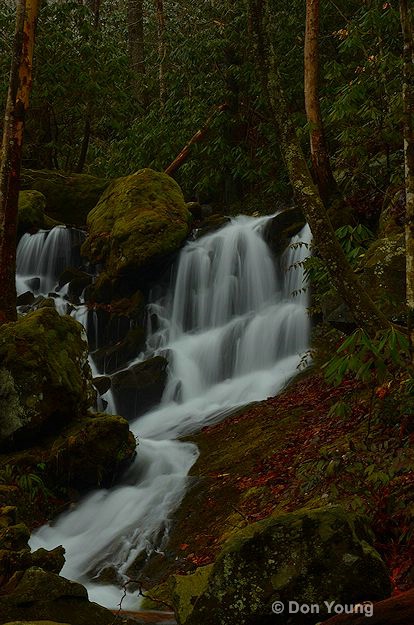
25	299
211	224
140	387
117	356
78	281
45	375
36	594
102	384
138	223
91	452
15	554
69	197
308	556
282	228
196	210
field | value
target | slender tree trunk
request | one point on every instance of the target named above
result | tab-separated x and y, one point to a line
20	84
407	25
306	194
319	151
162	48
199	136
136	48
95	7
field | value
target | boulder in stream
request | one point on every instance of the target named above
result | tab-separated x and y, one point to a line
138	223
140	387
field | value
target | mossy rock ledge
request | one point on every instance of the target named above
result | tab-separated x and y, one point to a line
69	197
138	224
308	556
45	375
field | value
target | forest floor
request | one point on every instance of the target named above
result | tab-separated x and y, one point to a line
293	451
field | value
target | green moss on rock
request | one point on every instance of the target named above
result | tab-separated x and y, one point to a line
46	373
137	223
38	595
69	197
31	214
309	556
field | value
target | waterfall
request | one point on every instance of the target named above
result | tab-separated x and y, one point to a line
233	325
43	256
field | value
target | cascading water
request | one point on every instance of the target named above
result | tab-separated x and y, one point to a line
234	333
42	257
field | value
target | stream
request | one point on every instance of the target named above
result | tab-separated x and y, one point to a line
234	326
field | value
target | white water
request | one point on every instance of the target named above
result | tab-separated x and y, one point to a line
42	257
233	334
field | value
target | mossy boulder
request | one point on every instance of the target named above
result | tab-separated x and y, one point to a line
15	553
31	215
384	273
69	197
139	221
38	595
91	452
45	375
309	556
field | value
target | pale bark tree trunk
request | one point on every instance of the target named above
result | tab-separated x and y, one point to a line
136	48
319	151
343	278
407	25
162	49
20	84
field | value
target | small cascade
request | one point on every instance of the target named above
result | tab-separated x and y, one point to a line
43	256
234	327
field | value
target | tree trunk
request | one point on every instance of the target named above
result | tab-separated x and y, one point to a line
136	47
20	84
319	151
407	25
162	49
343	278
199	136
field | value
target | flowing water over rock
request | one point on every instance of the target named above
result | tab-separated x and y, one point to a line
234	327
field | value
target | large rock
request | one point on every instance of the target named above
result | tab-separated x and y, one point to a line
137	224
15	553
38	595
309	556
45	376
282	228
91	452
31	214
140	387
69	197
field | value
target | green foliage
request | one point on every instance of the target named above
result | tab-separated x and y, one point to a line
83	74
30	484
354	241
369	359
363	108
